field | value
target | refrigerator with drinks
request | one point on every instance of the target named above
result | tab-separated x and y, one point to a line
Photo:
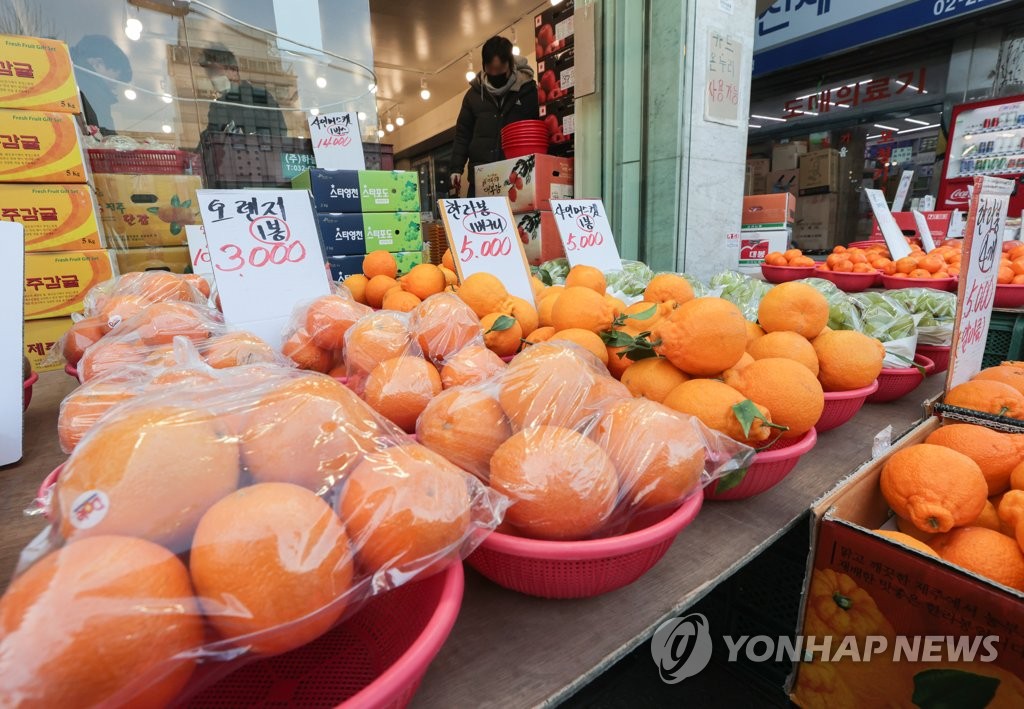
986	138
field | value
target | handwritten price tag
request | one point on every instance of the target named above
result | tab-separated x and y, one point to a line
482	236
891	231
986	219
586	234
198	249
902	191
924	231
337	144
266	256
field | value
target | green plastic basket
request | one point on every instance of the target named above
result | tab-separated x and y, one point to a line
1005	338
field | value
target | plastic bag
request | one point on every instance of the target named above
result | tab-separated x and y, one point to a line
579	457
936	311
552	273
740	290
890	323
630	282
294	501
842	312
315	335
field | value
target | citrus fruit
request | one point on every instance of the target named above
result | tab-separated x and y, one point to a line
583	308
847	359
984	552
586	339
201	285
754	332
94	617
653	378
796	307
667	287
236	348
546	309
988	396
380	263
997	454
586	277
154	286
787	388
149	472
702	337
989	518
356	285
657	451
466	426
406	508
160	323
377	288
524	313
329	317
299	348
451	278
84	406
423	280
502	333
446	259
400	388
642	315
483	293
374	339
1014	376
119	308
443	325
787	345
470	365
271	555
562	484
1010	511
541	334
906	540
80	336
934	487
400	301
712	402
109	357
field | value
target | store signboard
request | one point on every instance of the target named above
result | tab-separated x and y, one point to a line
12	343
986	219
891	231
198	249
724	78
586	234
266	255
483	236
337	144
904	188
795	31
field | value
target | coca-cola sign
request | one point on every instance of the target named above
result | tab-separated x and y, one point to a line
960	195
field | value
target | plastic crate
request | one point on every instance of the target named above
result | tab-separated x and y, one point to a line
1005	338
145	162
239	161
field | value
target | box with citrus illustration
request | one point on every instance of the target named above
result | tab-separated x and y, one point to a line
40	147
147	210
887	618
56	283
154	258
55	217
36	75
40	337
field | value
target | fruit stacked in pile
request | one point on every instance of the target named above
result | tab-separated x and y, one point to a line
791	257
1011	266
941	262
996	390
379	285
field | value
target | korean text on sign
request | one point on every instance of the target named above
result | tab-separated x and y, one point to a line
849	95
778	16
586	234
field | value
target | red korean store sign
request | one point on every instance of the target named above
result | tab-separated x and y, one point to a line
902	84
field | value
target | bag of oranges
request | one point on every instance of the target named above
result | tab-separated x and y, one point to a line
578	456
315	335
233	520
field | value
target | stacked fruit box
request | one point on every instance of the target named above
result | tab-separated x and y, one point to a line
44	186
555	33
360	211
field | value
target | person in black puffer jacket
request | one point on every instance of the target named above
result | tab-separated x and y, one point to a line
503	93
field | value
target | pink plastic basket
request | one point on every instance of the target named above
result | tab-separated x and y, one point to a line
897	282
899	381
849	282
784	274
939	354
1009	295
768	468
582	569
72	372
377	658
841	406
26	396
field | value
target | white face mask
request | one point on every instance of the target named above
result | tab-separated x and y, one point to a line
221	83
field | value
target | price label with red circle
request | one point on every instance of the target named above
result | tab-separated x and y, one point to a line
260	243
586	234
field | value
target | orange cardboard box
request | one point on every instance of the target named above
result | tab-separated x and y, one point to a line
36	75
147	210
769	211
40	147
40	337
154	258
55	217
56	283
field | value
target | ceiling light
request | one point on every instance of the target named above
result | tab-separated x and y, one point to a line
424	91
912	130
314	111
167	98
470	74
362	115
515	43
380	133
808	113
166	128
872	137
400	121
751	125
914	120
768	118
130	94
372	88
321	82
879	125
556	2
389	126
133	29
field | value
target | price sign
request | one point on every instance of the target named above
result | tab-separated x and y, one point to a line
924	231
266	256
198	249
986	219
483	238
12	339
337	141
586	234
901	192
891	231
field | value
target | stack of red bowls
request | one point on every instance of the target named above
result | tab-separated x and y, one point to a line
524	138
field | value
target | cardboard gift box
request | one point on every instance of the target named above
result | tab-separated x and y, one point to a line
147	210
56	283
36	75
560	117
348	234
154	258
539	233
356	191
55	217
38	146
783	181
556	77
816	222
529	182
40	337
819	172
768	211
787	155
554	29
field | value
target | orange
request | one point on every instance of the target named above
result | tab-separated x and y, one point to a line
400	388
989	396
791	254
306	431
119	308
776	259
1014	376
910	529
585	339
271	555
466	426
643	314
546	308
795	307
789	390
562	484
586	277
847	359
502	333
443	325
583	308
160	323
106	357
702	337
523	311
754	332
984	552
1010	512
934	487
919	273
300	349
380	263
483	293
803	261
404	508
997	454
80	336
148	471
931	264
617	305
712	402
447	261
423	280
668	287
906	540
788	345
451	278
653	378
338	371
400	300
844	266
377	288
93	617
154	286
1017	477
236	348
84	406
541	334
329	317
201	285
374	339
356	285
470	365
177	377
1005	275
989	518
657	451
905	265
